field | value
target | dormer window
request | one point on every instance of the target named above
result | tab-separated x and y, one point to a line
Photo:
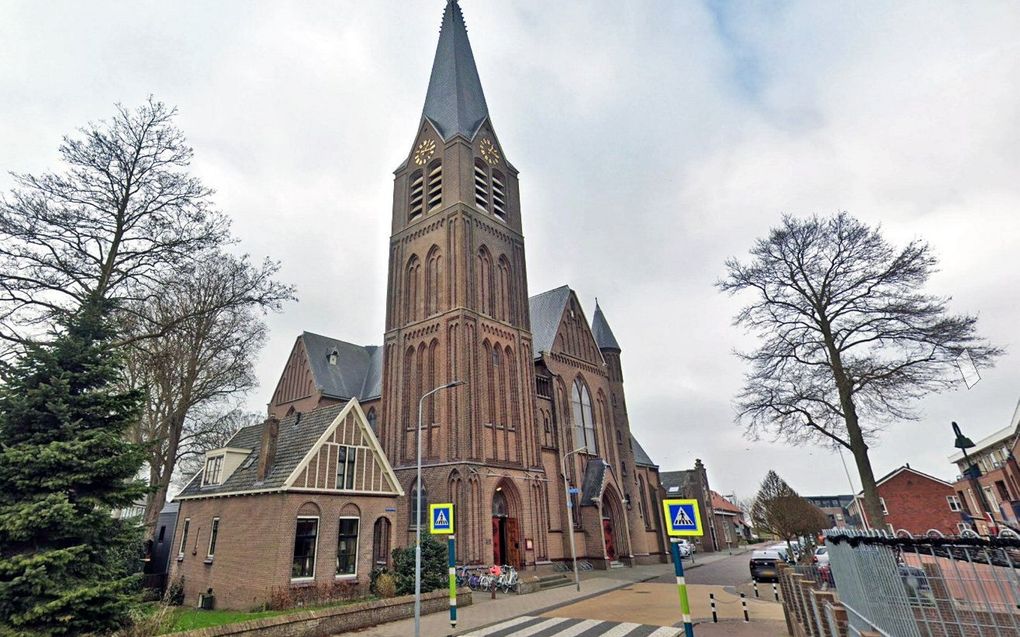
213	470
334	356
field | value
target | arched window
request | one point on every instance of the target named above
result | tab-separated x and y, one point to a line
498	195
435	190
433	277
584	419
481	185
422	514
485	287
416	193
412	289
503	294
371	420
410	387
381	542
499	506
641	500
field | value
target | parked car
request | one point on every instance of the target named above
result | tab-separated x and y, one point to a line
764	564
821	557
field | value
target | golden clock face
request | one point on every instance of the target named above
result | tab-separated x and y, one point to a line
489	151
424	152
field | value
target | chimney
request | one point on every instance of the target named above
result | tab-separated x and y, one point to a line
267	450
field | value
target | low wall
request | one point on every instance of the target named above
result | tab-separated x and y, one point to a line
331	621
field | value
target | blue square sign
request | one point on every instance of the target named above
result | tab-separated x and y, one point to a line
682	517
441	519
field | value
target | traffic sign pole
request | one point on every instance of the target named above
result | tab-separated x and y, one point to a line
681	584
451	553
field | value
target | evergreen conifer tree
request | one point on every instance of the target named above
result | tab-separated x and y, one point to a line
66	564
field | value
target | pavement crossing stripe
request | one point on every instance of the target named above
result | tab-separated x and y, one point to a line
621	630
543	628
507	627
579	628
666	631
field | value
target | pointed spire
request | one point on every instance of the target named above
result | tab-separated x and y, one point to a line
455	102
600	330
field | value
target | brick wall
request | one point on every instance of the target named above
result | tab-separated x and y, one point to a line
918	503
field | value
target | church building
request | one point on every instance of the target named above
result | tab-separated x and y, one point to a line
542	400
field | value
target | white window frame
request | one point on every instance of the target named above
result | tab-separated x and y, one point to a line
315	558
357	546
214	531
184	538
205	471
350	451
954	503
885	509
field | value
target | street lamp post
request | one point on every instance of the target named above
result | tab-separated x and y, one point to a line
570	517
973	472
417	511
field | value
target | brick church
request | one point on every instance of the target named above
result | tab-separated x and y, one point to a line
334	463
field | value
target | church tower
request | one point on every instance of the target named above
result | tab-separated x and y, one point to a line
457	309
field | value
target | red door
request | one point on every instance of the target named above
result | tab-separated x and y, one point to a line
607	530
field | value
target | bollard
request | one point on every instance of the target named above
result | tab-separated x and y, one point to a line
451	560
715	617
775	591
755	582
743	603
681	585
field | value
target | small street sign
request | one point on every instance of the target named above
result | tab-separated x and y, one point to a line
441	518
682	517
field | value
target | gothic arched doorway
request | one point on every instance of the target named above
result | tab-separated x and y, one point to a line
611	521
506	530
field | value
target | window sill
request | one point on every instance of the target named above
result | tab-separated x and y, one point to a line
180	558
207	560
302	581
352	577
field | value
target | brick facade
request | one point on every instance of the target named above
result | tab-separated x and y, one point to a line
917	502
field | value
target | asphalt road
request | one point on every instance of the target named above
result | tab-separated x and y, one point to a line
731	571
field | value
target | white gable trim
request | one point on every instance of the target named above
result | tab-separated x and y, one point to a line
366	430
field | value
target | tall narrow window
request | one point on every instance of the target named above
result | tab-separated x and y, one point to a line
435	197
345	465
306	538
184	537
213	533
481	185
584	420
347	547
417	194
371	419
419	516
381	542
213	470
498	195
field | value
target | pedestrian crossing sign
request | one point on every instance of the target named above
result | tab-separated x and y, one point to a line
682	517
441	519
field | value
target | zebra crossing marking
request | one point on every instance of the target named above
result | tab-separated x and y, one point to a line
530	626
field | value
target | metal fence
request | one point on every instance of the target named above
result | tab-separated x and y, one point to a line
926	587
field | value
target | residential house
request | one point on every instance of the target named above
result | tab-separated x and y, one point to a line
915	502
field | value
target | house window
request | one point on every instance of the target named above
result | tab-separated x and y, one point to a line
347	547
162	532
381	542
345	464
954	503
213	470
306	538
334	356
184	537
215	530
885	510
584	419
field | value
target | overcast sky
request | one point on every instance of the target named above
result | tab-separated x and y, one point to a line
654	139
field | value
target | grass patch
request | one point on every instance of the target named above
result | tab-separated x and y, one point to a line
193	618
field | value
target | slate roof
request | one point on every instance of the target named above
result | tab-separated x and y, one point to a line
722	505
455	103
600	330
298	432
680	479
357	374
641	457
546	310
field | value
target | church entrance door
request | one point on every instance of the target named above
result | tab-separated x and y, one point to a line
607	530
506	541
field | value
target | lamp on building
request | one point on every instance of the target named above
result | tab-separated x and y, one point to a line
973	471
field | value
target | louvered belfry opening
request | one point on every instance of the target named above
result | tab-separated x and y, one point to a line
481	185
435	186
417	191
498	195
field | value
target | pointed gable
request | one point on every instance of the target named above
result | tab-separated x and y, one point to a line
600	329
546	310
455	103
343	370
346	458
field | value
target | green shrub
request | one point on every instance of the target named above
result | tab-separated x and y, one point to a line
434	573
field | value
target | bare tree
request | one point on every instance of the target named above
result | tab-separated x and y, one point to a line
207	427
849	339
779	510
122	213
201	363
